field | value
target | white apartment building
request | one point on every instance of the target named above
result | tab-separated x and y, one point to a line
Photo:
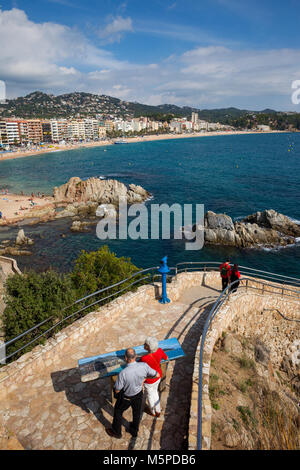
201	126
76	130
91	129
195	118
12	132
59	130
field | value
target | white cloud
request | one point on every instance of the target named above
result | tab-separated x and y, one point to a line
115	29
58	59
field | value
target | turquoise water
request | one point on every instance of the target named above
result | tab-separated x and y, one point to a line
238	175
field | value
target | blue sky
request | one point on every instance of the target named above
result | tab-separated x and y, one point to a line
202	53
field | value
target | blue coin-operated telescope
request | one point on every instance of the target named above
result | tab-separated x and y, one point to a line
164	270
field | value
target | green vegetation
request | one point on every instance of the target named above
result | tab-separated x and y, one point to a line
246	363
215	406
215	391
98	269
243	386
32	298
246	415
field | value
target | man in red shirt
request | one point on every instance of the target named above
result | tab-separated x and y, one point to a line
225	271
153	360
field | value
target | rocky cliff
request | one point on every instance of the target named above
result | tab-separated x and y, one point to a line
268	228
98	191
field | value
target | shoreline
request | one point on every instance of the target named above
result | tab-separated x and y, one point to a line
129	140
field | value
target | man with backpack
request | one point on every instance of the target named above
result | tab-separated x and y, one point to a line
225	271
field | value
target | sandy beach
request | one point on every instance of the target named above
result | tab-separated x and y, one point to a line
15	207
147	138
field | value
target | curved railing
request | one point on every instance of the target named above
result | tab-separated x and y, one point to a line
248	284
214	266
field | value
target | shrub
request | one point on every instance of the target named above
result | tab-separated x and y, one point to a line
32	298
99	269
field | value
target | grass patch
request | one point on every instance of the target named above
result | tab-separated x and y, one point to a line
246	415
243	386
214	428
236	424
246	363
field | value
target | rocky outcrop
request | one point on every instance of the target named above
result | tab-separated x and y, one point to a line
22	239
17	248
78	226
98	191
268	228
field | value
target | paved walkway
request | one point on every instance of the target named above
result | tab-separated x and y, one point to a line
57	411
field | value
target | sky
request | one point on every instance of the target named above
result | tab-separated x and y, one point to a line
199	53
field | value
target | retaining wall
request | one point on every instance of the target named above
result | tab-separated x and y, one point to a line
246	313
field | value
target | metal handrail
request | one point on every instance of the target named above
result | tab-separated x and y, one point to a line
242	269
4	345
212	314
218	263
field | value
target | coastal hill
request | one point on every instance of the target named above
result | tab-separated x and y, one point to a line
42	105
80	104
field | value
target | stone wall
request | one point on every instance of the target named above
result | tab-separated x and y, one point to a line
251	312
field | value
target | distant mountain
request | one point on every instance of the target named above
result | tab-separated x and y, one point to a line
79	104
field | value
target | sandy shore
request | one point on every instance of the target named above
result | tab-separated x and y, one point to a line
149	138
15	208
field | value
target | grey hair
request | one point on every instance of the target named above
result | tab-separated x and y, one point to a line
130	354
152	343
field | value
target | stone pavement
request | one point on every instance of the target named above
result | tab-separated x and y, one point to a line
57	411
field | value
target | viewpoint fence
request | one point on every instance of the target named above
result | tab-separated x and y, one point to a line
259	281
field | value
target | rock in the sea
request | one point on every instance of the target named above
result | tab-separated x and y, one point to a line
78	226
218	221
99	191
22	239
268	228
273	220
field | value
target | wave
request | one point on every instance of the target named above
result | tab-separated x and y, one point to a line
295	221
280	247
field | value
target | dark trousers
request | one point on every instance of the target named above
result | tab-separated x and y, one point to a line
224	282
122	404
235	286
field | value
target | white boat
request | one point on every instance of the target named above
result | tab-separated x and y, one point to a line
120	142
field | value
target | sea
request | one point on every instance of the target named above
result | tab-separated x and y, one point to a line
233	174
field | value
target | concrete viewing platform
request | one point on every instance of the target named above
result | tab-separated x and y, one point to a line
50	408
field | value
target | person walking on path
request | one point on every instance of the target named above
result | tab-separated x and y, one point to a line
235	276
225	271
153	359
129	392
